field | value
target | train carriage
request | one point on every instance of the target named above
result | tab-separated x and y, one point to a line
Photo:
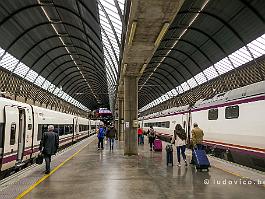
233	123
22	127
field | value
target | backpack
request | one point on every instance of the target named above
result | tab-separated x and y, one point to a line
182	134
101	133
169	148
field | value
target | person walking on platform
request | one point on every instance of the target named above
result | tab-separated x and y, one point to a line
197	136
151	137
140	135
49	145
179	139
197	139
101	135
111	136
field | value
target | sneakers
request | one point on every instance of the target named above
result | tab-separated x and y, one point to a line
179	165
47	172
186	164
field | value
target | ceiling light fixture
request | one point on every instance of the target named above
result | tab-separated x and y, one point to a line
133	28
161	34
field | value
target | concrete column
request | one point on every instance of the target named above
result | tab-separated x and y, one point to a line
121	119
116	123
130	115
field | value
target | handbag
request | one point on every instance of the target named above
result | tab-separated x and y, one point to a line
39	159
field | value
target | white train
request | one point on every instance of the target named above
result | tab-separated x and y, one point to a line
233	123
22	126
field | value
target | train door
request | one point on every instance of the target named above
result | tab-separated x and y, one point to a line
75	131
89	127
10	137
21	134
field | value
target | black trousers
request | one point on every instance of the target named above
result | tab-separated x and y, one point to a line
151	141
47	159
100	143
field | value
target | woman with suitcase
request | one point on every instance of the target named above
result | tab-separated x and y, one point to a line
179	139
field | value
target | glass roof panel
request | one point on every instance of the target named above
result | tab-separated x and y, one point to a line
12	64
238	58
108	32
200	78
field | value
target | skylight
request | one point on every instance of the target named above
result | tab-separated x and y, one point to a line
12	64
111	30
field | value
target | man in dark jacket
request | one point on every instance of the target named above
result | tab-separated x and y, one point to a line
111	136
49	144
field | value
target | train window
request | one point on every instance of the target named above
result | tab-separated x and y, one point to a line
41	129
232	112
1	135
67	129
71	129
56	128
167	124
213	114
61	129
29	126
13	134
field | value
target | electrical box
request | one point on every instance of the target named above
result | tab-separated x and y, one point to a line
135	124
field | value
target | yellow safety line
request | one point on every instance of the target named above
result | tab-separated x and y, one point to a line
235	174
46	176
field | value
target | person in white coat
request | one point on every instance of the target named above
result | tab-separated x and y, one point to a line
179	139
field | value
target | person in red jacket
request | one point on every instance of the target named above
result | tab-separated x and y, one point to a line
140	135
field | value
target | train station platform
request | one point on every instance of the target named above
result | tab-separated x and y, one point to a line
82	171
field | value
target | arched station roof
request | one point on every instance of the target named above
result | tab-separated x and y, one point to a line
63	47
206	39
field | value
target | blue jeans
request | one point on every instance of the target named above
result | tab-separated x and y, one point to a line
140	139
111	143
182	149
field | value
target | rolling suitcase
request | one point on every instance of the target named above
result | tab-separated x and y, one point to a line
157	145
201	160
169	150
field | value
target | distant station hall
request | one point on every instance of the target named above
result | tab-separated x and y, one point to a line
117	99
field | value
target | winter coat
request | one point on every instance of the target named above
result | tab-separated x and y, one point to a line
140	131
111	133
50	143
101	132
197	136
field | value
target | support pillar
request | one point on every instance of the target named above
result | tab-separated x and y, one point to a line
121	119
130	115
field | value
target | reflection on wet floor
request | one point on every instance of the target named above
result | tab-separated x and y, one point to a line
110	174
